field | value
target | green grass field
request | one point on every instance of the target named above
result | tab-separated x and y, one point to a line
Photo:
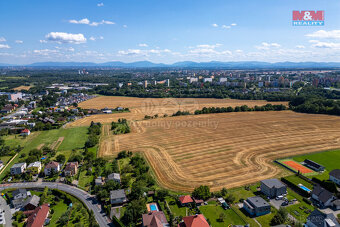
74	138
297	180
213	211
329	159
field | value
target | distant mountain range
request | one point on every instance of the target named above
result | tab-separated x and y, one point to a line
187	64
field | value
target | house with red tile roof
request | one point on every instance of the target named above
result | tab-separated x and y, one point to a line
71	169
197	220
38	216
155	219
52	167
185	200
25	132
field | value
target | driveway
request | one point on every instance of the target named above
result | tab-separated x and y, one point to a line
89	200
7	209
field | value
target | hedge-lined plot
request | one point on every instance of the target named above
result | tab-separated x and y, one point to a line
227	149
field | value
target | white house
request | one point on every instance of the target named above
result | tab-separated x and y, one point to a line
334	176
18	168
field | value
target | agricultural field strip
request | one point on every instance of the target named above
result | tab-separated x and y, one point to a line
250	151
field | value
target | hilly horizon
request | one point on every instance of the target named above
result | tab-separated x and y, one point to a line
184	64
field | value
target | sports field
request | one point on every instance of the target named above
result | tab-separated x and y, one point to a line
297	167
20	88
227	149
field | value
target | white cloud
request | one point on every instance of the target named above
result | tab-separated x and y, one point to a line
267	46
82	21
233	24
42	41
226	26
71	49
124	26
19	41
334	34
2	39
45	52
215	25
88	22
143	45
100	4
139	52
62	37
92	38
4	46
101	22
300	46
326	45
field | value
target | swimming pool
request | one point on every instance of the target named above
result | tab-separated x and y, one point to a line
153	207
304	188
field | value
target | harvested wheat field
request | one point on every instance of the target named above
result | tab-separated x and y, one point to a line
20	88
227	149
139	107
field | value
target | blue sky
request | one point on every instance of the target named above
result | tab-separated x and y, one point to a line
165	31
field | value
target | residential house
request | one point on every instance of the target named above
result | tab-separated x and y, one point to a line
118	197
21	193
336	204
185	200
198	202
334	176
18	203
38	216
273	188
319	219
154	219
114	176
25	132
313	165
52	167
34	168
197	220
7	109
31	202
18	168
98	181
71	169
256	206
323	197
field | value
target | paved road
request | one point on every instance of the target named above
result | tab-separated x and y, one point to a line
7	209
89	200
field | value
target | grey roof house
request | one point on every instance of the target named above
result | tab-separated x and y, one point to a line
256	206
21	193
118	196
319	219
114	176
273	188
18	168
334	176
323	197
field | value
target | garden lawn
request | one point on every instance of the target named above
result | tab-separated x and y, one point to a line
59	208
175	209
212	212
297	180
84	179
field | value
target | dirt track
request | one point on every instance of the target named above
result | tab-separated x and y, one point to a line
226	150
